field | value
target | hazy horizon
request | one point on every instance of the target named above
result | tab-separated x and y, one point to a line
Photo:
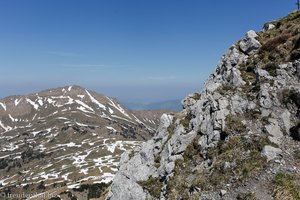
142	95
135	51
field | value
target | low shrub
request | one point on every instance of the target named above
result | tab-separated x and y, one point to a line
152	185
234	125
286	187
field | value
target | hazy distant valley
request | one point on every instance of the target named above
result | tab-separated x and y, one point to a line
173	105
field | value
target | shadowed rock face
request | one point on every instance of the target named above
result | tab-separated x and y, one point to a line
233	139
65	138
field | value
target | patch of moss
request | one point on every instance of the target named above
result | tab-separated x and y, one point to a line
153	186
157	161
248	73
234	125
250	92
181	191
271	67
171	128
286	187
225	89
253	114
274	42
179	186
193	152
279	43
186	122
244	155
196	96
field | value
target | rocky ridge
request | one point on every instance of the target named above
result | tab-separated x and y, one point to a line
236	139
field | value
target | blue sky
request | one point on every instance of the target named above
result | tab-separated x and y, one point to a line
135	50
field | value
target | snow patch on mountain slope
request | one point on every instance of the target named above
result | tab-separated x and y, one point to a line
40	101
71	144
83	109
37	132
110	110
3	105
140	122
36	106
9	147
95	101
120	145
6	128
118	107
115	116
106	178
84	105
17	101
49	100
111	129
81	124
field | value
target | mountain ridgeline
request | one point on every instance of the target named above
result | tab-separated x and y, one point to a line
236	139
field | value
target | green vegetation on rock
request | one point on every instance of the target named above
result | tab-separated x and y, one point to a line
234	125
279	45
186	122
237	158
225	89
178	185
152	185
196	96
286	187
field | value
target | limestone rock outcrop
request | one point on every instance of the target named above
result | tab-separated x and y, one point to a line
237	127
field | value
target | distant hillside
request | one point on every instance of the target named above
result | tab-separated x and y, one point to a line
65	140
174	105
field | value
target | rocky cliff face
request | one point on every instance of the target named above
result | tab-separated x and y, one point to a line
236	139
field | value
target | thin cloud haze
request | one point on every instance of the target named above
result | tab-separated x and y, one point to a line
64	54
77	66
161	77
122	43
